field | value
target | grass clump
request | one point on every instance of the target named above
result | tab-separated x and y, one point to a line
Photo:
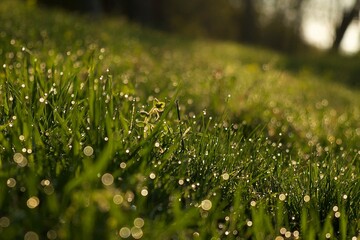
94	145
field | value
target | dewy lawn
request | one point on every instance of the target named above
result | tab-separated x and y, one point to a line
93	144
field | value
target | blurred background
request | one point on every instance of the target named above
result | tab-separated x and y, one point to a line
284	25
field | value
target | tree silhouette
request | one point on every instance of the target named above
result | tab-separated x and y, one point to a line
348	17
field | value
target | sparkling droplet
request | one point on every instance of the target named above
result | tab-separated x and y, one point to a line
4	222
11	182
136	232
282	197
124	232
31	236
51	234
107	179
306	198
118	199
225	176
206	204
139	222
33	202
88	151
144	192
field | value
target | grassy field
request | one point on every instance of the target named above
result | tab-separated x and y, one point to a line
112	131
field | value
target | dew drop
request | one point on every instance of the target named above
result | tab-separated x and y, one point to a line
249	223
152	176
4	222
139	222
124	232
225	176
107	179
136	232
118	199
51	234
282	197
33	202
11	182
306	198
122	165
206	204
31	236
144	192
88	151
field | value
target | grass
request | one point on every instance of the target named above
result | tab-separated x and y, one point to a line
93	144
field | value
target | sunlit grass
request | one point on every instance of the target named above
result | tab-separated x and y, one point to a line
95	146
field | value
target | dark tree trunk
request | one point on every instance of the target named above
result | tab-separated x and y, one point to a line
348	17
248	22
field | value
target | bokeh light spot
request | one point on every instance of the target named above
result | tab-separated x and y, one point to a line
206	204
107	179
88	151
33	202
51	234
31	236
136	232
282	197
4	222
124	232
11	182
144	192
122	165
225	176
118	199
139	222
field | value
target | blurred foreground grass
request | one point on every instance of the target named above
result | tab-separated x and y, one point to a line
92	147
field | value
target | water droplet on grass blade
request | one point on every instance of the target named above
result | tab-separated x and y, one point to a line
306	198
11	182
33	202
4	222
107	179
249	223
124	232
136	232
118	199
88	151
51	234
144	192
31	236
206	205
139	222
225	176
282	197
